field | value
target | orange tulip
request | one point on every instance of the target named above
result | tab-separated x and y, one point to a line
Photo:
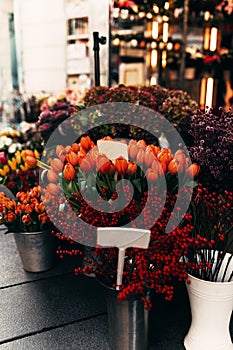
52	175
43	218
59	149
151	175
193	170
132	168
141	144
132	142
107	138
159	167
103	164
121	165
31	161
180	157
26	219
75	147
53	189
10	205
10	216
133	150
29	152
86	142
72	158
19	209
153	148
173	166
28	209
164	155
57	165
140	156
39	207
23	197
69	172
149	157
86	163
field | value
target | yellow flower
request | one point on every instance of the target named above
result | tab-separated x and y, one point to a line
24	167
12	163
37	154
18	157
4	171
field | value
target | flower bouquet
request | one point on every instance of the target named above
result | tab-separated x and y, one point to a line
26	213
27	219
212	220
209	266
85	189
212	134
15	173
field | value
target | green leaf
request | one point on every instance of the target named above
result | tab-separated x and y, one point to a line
137	184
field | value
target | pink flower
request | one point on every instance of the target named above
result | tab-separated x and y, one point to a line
3	159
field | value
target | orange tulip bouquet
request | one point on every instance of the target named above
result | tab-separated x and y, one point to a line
84	188
24	214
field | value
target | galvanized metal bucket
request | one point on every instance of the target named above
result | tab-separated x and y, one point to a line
127	323
37	250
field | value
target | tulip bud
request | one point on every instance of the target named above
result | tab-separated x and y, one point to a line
59	150
141	144
132	168
193	170
86	142
121	165
75	147
103	164
149	157
133	150
52	175
56	165
31	161
164	155
26	219
53	189
69	172
140	156
153	148
72	158
173	166
10	216
151	175
29	152
86	163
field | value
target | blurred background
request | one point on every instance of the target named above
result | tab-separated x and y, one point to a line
47	47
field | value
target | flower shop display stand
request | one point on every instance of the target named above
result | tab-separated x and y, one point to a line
37	250
211	308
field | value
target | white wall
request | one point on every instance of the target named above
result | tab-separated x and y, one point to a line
6	6
41	39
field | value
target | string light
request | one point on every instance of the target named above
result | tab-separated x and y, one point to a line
166	5
154	58
164	58
155	30
165	32
213	39
209	92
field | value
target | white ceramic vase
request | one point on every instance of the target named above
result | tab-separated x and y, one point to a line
211	307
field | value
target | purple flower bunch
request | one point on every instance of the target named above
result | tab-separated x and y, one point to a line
212	132
51	116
